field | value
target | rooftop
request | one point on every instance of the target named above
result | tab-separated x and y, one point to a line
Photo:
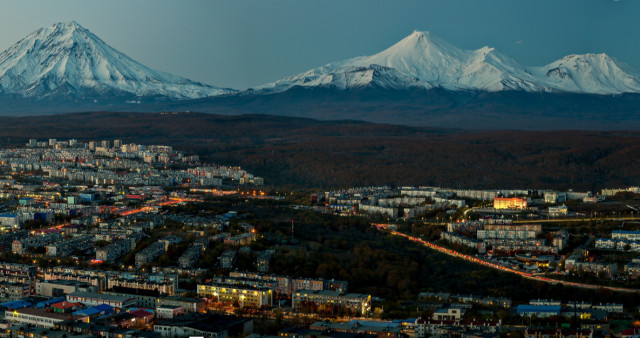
101	296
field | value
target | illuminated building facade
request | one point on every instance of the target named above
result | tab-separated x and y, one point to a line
245	295
509	203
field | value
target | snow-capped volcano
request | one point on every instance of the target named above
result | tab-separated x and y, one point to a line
590	73
423	60
67	59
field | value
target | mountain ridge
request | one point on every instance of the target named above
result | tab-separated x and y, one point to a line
437	63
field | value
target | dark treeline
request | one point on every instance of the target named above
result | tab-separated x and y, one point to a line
308	153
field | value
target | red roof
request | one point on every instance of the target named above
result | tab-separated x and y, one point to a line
631	332
141	313
65	305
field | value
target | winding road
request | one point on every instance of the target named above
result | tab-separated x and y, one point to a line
493	265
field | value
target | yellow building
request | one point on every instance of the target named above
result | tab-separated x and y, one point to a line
509	203
243	294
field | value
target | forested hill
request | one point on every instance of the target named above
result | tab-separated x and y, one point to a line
309	153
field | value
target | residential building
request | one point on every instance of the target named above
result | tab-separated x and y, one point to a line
113	251
448	313
608	269
227	259
455	238
536	228
20	246
190	257
66	248
166	286
204	325
150	253
360	328
263	260
541	311
14	291
624	234
17	273
558	211
243	294
358	303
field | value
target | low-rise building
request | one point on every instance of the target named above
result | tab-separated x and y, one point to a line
448	313
57	288
558	211
168	311
188	304
93	298
36	317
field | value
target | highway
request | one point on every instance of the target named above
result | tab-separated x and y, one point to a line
493	265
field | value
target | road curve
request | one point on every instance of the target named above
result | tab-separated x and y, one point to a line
492	265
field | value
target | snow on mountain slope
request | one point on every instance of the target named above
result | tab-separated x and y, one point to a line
434	63
348	77
590	73
68	59
427	61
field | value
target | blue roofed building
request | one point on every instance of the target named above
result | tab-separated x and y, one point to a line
541	311
46	303
16	304
95	311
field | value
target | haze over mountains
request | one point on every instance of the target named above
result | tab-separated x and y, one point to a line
421	80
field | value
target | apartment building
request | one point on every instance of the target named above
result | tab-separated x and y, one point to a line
66	248
359	303
113	251
243	294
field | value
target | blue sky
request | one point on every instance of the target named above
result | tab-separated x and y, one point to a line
244	43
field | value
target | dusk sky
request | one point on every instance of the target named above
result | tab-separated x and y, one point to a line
241	44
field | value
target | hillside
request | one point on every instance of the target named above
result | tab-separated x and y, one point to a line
309	153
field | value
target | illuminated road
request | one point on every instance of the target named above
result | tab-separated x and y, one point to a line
584	219
493	265
148	208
